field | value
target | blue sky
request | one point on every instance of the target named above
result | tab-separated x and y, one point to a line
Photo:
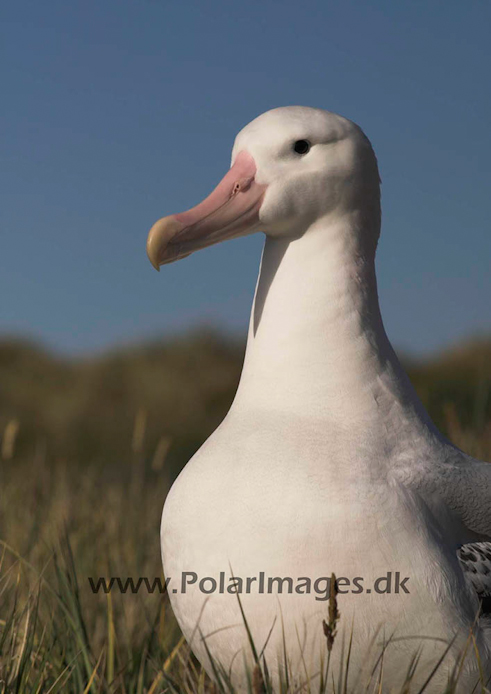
115	113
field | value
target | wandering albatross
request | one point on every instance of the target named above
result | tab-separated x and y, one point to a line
327	461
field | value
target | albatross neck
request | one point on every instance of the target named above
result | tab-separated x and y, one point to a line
316	343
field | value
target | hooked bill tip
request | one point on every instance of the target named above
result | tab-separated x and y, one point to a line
158	239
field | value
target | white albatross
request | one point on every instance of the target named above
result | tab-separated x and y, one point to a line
327	461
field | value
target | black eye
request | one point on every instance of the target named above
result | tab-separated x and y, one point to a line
301	146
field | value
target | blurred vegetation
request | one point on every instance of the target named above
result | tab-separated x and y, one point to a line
88	450
85	411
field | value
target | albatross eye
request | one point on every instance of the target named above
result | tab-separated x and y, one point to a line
301	146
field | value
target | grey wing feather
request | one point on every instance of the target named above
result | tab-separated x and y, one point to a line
475	560
467	491
462	484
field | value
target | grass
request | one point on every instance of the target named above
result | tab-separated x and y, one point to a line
73	508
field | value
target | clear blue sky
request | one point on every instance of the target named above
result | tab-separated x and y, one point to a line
117	112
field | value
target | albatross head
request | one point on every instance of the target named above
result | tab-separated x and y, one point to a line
290	167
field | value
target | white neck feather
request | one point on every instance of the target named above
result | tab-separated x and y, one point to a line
316	344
